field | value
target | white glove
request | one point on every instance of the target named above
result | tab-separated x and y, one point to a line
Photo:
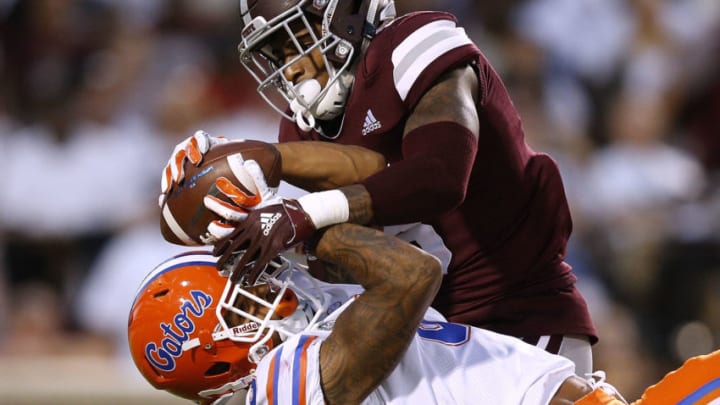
192	149
257	195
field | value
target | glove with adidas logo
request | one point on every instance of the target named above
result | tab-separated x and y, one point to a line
256	195
265	233
273	229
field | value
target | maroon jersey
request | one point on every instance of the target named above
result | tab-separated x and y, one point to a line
507	239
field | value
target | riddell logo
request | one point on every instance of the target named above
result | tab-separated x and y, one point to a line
267	221
245	328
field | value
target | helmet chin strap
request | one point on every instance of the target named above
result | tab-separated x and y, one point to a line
303	119
307	90
330	105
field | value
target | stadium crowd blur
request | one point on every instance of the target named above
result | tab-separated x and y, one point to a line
624	94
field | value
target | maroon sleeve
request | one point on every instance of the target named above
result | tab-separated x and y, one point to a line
431	179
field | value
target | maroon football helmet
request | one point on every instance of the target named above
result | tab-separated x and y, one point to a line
336	29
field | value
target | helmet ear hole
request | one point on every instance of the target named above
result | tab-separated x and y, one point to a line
161	294
217	369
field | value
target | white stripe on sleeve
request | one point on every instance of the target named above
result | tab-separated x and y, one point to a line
421	48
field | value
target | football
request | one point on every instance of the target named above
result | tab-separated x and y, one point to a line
184	216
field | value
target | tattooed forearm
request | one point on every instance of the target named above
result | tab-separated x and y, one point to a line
369	255
373	333
361	211
331	273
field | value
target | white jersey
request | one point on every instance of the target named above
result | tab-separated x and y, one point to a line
446	363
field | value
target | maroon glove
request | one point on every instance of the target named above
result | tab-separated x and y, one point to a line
265	233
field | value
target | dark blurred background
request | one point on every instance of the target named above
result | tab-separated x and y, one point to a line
94	94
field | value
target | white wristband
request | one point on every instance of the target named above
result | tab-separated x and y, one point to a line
326	207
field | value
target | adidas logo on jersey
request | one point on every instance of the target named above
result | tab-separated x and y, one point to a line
370	124
267	220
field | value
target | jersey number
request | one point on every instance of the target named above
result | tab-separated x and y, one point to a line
451	334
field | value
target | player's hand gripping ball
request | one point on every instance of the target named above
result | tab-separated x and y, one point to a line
230	179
